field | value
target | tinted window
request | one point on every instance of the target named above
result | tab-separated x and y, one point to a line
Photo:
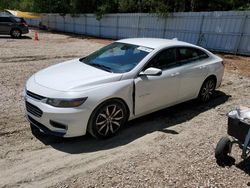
19	20
165	59
190	54
5	19
117	57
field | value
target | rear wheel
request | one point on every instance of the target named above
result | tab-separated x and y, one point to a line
207	90
15	33
107	119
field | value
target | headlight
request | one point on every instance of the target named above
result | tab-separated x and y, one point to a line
66	103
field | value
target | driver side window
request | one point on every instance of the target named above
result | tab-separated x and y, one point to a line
164	59
117	51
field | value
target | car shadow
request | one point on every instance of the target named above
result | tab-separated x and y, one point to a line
161	120
9	37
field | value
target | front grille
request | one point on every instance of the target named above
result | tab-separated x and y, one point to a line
35	96
33	109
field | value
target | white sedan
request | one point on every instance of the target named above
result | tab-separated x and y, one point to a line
122	81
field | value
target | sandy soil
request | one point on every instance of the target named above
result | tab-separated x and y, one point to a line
170	148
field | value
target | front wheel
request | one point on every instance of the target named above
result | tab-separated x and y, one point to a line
107	119
16	33
207	90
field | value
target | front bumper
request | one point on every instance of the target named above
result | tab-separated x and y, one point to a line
71	122
25	30
43	128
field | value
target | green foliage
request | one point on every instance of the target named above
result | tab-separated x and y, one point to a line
11	4
105	6
127	6
101	7
245	7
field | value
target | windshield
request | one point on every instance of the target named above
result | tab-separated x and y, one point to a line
117	57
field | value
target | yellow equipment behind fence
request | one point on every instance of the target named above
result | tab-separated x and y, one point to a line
28	15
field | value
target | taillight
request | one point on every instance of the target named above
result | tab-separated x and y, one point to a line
223	63
24	24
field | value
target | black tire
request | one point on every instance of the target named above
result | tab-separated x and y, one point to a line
222	149
207	90
107	119
16	33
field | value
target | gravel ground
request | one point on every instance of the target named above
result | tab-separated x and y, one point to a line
170	148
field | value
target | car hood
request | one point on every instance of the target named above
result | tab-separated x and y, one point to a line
73	75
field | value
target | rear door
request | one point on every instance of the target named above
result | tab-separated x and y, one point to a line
5	25
193	73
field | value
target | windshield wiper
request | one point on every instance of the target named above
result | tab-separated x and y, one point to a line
103	67
81	59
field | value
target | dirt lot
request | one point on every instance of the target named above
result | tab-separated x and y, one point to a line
173	147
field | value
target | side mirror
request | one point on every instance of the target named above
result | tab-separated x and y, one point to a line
151	71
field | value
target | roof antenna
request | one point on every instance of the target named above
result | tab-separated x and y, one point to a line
176	39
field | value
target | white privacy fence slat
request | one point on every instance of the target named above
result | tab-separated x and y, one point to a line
219	31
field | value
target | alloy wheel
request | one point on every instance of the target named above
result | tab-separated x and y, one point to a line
109	120
207	90
16	33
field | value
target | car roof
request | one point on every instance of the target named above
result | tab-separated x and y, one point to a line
154	42
3	14
8	15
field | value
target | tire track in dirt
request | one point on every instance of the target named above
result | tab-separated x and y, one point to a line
33	58
48	166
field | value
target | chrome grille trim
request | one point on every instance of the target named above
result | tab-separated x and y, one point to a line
35	96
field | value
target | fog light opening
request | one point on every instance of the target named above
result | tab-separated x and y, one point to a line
58	125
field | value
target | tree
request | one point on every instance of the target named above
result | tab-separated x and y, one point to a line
101	7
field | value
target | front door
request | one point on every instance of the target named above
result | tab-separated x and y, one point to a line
155	92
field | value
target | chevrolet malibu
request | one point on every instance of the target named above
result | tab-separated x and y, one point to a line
127	79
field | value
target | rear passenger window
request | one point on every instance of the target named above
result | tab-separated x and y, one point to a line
5	19
186	55
19	20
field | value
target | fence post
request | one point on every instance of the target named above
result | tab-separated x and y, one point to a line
85	24
117	26
55	22
74	23
241	34
165	25
100	25
63	23
200	37
50	22
48	16
138	26
82	24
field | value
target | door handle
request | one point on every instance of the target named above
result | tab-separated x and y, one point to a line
175	74
202	67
